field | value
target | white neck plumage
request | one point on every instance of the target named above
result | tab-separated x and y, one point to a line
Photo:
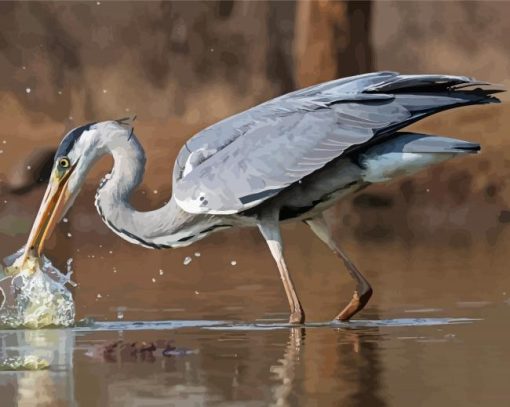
168	226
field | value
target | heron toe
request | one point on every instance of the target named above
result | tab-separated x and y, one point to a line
297	317
356	304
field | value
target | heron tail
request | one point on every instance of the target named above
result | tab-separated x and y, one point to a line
407	142
405	153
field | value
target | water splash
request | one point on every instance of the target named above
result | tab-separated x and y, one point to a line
35	294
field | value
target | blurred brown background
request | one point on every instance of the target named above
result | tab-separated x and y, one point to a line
433	245
181	66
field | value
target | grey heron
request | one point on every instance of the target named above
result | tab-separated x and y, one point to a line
287	159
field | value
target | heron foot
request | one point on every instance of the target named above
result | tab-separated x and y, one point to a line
297	317
356	304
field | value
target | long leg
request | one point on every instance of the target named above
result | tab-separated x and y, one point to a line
270	229
363	290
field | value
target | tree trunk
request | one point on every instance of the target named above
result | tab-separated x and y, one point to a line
332	39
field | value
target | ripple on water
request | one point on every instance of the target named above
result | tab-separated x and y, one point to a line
92	326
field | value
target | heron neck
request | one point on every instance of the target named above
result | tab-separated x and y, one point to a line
168	226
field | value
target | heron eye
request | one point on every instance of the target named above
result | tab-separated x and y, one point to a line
64	162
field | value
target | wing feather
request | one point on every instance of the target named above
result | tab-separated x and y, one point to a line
272	155
243	160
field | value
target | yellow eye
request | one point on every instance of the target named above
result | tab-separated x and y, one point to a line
64	162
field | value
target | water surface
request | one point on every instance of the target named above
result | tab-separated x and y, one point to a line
435	332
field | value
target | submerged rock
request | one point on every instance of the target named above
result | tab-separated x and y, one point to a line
137	351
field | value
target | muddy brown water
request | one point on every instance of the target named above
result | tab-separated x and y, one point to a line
435	333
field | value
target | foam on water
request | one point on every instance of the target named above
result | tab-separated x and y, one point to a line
36	294
29	362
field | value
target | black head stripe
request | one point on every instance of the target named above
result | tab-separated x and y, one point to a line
70	140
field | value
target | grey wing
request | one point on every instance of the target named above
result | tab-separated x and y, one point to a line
244	160
274	154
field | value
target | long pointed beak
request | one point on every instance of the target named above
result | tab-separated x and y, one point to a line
50	212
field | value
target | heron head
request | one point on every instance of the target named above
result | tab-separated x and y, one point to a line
76	154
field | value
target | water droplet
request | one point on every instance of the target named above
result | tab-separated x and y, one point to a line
197	254
233	262
28	90
187	260
161	272
69	265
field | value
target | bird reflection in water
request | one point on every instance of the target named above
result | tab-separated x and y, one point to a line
346	366
285	369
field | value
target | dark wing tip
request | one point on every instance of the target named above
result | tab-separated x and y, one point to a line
468	147
426	83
